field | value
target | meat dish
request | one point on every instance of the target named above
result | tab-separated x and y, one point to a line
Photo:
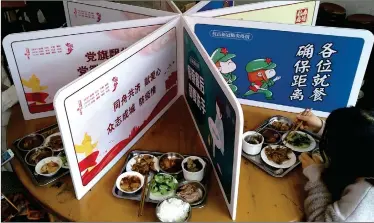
270	136
278	155
38	154
130	183
190	192
300	140
280	126
31	142
171	165
193	165
49	167
144	164
55	142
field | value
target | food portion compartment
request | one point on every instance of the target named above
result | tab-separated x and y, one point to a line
278	157
35	147
161	184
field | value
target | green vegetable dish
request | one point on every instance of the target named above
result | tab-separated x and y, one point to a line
162	186
299	140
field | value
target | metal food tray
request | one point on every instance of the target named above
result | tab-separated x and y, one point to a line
275	172
137	196
30	170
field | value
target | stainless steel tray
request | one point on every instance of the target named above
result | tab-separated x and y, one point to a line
275	172
30	170
137	196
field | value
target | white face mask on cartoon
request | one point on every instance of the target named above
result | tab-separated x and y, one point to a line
227	67
270	73
218	111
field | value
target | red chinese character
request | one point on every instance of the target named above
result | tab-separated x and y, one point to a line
116	105
124	99
131	93
82	70
147	95
91	56
27	54
80	107
75	12
132	109
103	54
118	121
110	128
153	76
125	115
115	83
92	66
158	72
141	100
137	88
146	81
153	90
113	52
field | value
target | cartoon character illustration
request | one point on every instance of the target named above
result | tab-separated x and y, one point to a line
87	148
226	4
216	129
260	75
222	59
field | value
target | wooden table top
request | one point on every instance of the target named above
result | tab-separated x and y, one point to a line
261	196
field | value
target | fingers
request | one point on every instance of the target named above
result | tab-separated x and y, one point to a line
317	158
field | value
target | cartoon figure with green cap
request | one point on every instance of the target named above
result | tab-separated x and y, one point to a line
222	59
260	75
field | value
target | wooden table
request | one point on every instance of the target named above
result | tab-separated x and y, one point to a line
261	197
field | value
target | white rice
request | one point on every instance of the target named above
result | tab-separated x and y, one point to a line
173	210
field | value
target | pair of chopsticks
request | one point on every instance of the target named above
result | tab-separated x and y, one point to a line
296	127
144	191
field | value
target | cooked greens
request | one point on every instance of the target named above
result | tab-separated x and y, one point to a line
299	140
163	184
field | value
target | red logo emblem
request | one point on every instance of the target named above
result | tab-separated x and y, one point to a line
98	17
301	16
27	53
69	48
80	107
115	83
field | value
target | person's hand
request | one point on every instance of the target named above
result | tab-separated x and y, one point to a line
311	122
306	160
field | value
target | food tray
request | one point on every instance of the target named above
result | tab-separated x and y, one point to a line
275	172
30	170
137	196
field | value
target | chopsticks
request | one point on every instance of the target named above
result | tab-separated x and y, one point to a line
305	112
144	191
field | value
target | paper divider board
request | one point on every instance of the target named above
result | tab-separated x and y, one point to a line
89	129
93	12
71	54
170	4
203	6
352	48
288	12
217	95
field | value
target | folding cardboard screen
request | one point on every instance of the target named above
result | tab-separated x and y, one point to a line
129	92
200	6
287	12
95	12
44	61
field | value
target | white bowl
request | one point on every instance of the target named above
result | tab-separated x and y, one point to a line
193	176
252	149
131	173
47	160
